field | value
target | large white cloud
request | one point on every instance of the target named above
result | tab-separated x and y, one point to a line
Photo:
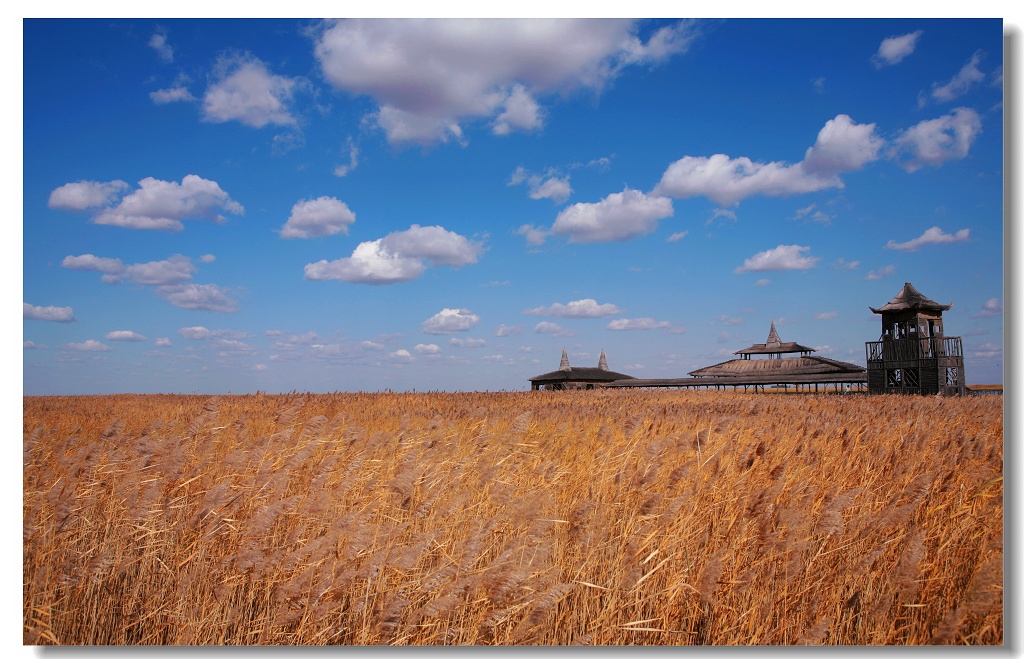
51	314
427	76
448	321
586	308
92	345
842	145
83	195
244	90
324	216
935	141
156	204
932	236
124	335
618	217
783	257
895	49
399	256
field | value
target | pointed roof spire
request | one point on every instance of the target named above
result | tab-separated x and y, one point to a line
603	362
912	299
773	338
564	365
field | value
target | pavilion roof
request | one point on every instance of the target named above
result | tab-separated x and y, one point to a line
773	346
911	299
774	368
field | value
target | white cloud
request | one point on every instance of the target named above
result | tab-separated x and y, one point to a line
163	342
676	237
173	270
534	235
932	236
961	83
259	367
447	321
467	343
826	315
401	355
52	314
124	335
207	258
988	350
783	257
245	91
762	282
508	330
83	195
92	345
554	329
428	76
992	307
841	146
879	273
324	216
158	42
171	95
618	217
353	160
895	49
547	186
427	349
638	324
586	308
934	141
160	205
204	297
843	264
372	345
399	256
32	345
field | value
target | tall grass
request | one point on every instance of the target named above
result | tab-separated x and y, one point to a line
589	518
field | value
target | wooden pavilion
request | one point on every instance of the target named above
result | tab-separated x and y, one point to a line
579	377
913	356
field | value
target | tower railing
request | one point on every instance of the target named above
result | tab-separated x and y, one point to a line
913	349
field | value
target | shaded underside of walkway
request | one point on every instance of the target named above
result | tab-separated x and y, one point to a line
809	382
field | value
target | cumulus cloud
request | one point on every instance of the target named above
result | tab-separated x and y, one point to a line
554	329
202	297
324	216
124	335
429	76
961	83
448	321
173	270
934	141
399	256
534	235
677	236
842	146
638	324
32	345
880	273
401	355
84	195
171	95
92	345
163	342
620	216
427	348
783	257
543	186
992	307
895	49
158	42
244	90
826	315
51	314
200	333
843	264
353	160
508	330
207	258
932	236
586	308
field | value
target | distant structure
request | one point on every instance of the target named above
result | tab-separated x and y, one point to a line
771	368
913	356
580	377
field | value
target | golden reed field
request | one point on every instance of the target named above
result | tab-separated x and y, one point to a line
586	518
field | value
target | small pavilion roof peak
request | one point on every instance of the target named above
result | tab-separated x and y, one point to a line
773	338
602	363
775	346
564	364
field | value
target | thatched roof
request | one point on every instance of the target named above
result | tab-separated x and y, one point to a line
910	299
568	373
774	368
773	346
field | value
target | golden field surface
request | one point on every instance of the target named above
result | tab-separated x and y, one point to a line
588	518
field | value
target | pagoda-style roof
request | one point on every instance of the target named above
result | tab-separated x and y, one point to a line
910	299
771	369
568	373
774	346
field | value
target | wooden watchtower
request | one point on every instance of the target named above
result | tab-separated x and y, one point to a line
913	356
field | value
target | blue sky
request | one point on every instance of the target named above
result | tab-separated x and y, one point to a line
278	205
